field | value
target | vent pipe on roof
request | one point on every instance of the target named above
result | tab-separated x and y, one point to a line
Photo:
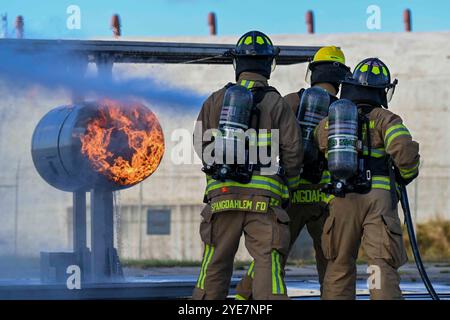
212	23
407	20
309	18
115	26
19	27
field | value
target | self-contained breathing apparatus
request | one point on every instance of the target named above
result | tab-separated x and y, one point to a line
313	107
370	86
239	113
349	147
349	150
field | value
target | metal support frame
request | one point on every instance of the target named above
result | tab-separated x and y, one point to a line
148	52
104	260
81	251
15	186
105	63
101	263
79	221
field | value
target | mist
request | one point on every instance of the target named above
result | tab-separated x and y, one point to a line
60	69
49	72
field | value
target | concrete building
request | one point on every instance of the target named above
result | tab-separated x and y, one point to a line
159	218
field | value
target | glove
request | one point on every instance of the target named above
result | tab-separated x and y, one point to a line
404	181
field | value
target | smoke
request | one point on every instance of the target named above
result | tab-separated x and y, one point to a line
60	69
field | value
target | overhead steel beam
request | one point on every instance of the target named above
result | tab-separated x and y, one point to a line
148	52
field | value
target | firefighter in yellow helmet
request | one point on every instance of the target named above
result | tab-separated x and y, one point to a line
368	149
308	205
247	197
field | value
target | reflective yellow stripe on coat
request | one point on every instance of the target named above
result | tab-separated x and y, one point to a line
394	132
258	182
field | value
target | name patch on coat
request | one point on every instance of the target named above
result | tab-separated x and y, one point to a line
260	205
307	196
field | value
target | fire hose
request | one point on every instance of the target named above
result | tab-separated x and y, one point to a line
412	239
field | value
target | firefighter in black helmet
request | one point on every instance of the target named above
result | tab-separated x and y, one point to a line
255	52
365	209
244	199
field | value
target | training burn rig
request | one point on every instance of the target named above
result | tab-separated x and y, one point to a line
97	147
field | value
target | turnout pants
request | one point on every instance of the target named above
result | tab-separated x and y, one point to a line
311	215
267	240
370	220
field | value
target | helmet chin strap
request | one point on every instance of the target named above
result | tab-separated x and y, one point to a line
260	65
364	95
274	64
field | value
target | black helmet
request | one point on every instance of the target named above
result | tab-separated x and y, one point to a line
254	52
255	43
371	72
373	78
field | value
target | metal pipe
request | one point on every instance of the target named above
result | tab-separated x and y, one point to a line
79	222
407	20
19	27
105	65
116	26
102	235
16	211
309	18
4	26
141	218
212	23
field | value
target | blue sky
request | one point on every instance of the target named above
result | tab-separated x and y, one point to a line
47	18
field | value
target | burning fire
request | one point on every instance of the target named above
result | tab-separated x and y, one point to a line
124	142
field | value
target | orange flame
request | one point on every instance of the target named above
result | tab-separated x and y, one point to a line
125	142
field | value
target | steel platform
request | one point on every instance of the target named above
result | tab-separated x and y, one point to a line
96	51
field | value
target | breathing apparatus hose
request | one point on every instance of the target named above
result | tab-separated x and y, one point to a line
414	247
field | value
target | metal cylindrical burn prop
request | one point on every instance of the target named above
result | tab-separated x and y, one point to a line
105	145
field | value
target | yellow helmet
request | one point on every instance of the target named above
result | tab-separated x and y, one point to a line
328	65
329	53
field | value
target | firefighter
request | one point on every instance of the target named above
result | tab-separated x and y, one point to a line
241	201
308	205
365	212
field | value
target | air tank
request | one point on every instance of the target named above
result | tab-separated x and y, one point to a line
313	108
342	139
235	118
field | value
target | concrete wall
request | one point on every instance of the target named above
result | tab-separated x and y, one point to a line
421	62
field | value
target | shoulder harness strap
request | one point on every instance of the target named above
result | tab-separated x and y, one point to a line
229	85
300	95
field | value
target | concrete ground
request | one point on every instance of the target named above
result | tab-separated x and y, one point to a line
437	272
22	282
303	281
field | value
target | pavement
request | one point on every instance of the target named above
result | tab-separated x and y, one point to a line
302	281
178	282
